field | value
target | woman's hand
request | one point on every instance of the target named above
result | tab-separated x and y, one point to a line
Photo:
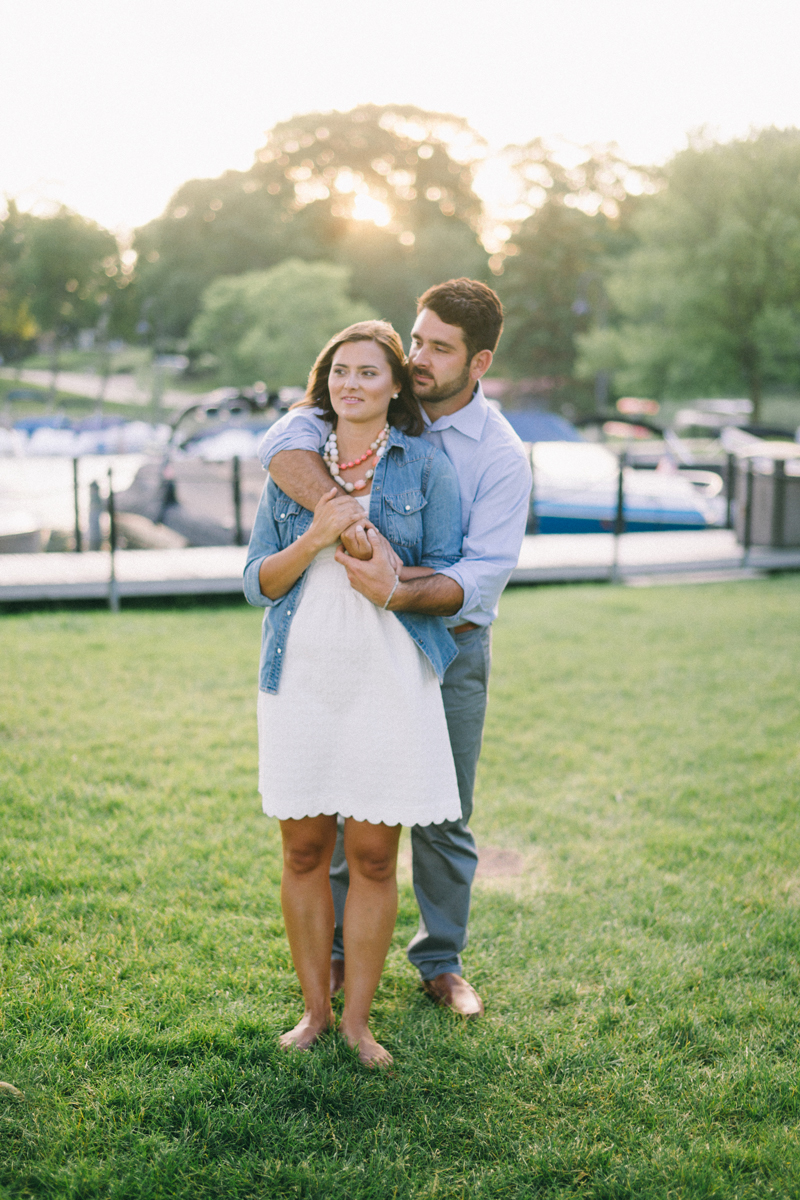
332	515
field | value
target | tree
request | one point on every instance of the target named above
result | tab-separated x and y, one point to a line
65	269
271	325
709	301
58	275
386	192
550	290
551	269
17	325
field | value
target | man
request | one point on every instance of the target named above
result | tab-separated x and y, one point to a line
453	341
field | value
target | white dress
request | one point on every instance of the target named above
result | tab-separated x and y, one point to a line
357	726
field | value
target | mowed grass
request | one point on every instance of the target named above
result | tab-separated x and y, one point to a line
641	971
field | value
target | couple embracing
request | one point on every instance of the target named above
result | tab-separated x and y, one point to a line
393	516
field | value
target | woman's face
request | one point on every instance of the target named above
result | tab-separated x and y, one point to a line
360	382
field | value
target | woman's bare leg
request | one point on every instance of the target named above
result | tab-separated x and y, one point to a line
369	917
307	906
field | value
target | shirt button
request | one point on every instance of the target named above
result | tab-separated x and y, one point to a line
408	508
283	516
288	612
279	650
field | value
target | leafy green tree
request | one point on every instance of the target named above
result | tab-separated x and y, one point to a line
709	301
58	275
386	192
271	325
66	267
18	328
551	290
551	270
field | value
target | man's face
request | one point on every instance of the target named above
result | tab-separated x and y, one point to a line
438	359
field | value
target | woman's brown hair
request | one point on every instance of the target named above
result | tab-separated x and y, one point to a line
404	412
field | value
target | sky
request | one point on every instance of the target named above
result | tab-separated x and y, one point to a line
108	106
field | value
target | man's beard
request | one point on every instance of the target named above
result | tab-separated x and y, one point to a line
439	395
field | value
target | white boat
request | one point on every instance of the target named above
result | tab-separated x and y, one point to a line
575	489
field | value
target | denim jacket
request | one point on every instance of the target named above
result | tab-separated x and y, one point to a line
414	502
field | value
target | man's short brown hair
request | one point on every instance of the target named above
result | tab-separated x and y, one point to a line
471	305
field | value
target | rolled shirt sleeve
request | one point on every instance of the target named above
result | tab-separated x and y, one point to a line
300	429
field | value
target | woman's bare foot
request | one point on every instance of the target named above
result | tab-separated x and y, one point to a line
306	1031
370	1052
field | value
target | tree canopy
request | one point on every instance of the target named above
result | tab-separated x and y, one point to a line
709	300
551	270
18	327
386	192
271	325
57	274
679	282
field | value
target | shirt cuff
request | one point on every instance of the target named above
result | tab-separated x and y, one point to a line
471	599
252	587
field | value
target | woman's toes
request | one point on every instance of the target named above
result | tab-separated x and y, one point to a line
294	1040
370	1052
375	1056
303	1036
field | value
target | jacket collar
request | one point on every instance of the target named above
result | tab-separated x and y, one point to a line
396	438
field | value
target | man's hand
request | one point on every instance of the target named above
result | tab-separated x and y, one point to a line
375	577
355	540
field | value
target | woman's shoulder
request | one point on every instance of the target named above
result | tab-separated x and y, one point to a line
415	447
426	463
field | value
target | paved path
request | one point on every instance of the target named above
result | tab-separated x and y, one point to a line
557	558
707	555
199	570
120	389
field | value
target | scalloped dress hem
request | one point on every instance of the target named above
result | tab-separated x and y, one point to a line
358	710
340	812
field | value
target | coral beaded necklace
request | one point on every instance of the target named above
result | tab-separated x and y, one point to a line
331	458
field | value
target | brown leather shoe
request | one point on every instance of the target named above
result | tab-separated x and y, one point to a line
337	975
452	991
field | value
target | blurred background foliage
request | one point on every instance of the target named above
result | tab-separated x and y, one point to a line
666	282
375	190
270	325
707	299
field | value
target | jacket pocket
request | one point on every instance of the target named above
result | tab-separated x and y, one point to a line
404	517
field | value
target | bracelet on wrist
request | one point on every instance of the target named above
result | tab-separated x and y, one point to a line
392	592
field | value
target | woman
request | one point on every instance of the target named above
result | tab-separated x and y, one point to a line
350	714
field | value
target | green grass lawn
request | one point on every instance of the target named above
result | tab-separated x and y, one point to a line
640	972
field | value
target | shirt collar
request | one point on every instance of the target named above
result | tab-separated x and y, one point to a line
469	420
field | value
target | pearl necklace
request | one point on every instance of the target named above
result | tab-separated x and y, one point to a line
331	458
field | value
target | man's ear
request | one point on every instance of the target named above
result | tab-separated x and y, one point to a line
480	364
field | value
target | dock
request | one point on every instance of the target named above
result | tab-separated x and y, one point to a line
642	559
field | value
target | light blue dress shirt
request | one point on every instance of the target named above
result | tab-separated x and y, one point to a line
494	479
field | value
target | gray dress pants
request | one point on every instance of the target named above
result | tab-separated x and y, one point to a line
444	857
